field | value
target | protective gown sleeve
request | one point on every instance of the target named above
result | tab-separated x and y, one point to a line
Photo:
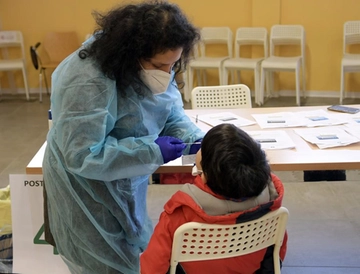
179	125
82	123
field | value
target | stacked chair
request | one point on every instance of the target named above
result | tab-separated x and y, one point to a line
221	36
10	40
264	66
250	36
350	62
285	35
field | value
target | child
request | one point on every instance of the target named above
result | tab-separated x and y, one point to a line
234	184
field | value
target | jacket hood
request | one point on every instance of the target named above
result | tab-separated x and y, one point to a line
200	200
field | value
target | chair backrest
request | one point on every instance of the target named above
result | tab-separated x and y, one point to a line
251	36
58	45
195	241
226	96
287	35
12	38
36	61
216	35
351	34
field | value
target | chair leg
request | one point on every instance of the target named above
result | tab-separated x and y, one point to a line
342	85
270	92
297	82
221	80
186	91
46	83
276	261
238	76
267	78
234	76
204	76
11	80
26	84
257	83
226	76
261	92
190	83
304	80
40	84
199	74
233	79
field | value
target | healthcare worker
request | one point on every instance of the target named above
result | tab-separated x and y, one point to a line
117	116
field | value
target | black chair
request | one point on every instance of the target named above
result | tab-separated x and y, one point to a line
36	61
57	46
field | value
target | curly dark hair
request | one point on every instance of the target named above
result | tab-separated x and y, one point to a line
234	164
132	32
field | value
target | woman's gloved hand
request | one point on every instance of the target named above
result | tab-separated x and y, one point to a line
194	148
171	148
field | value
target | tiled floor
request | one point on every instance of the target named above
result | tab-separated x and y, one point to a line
324	224
23	129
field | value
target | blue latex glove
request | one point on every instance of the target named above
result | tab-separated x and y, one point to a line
195	147
171	148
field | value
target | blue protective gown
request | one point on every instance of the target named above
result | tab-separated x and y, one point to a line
100	152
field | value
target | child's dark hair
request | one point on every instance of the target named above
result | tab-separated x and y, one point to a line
234	164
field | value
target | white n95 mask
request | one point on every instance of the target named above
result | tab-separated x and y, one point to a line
156	80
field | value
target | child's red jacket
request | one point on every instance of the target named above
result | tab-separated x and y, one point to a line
196	202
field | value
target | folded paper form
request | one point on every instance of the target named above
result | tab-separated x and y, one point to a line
272	139
327	137
225	117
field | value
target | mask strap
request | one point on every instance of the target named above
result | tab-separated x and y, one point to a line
141	66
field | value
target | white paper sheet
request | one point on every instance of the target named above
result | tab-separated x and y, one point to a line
188	159
272	139
320	117
279	120
353	129
352	119
327	137
215	119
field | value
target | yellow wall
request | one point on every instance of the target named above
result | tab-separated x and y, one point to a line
322	19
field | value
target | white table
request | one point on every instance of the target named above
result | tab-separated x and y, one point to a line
304	156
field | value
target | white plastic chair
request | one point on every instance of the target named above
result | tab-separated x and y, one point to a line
226	96
285	35
350	62
200	242
14	39
202	60
244	37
